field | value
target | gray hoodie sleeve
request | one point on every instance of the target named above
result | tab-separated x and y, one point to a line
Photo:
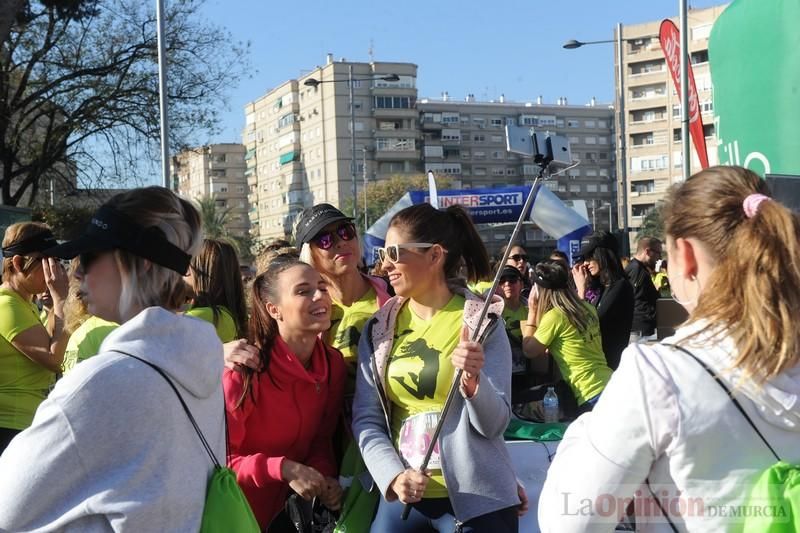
369	424
490	407
41	494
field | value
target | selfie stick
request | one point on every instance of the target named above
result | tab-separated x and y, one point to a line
457	379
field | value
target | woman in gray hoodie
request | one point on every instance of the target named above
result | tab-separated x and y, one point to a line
408	356
111	448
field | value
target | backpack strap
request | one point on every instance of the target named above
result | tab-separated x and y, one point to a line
185	408
729	394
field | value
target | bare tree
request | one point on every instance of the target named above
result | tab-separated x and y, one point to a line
79	90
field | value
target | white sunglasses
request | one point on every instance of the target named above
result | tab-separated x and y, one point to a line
393	252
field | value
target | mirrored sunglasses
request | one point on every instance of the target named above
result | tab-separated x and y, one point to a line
345	231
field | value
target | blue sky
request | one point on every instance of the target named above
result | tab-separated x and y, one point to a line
479	47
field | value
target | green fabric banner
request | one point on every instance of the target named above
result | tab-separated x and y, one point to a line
754	51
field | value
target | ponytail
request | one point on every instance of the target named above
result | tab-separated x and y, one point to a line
473	251
754	289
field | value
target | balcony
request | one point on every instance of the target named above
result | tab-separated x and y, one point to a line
397	155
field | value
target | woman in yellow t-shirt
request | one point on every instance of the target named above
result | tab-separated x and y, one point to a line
408	357
566	327
217	292
30	352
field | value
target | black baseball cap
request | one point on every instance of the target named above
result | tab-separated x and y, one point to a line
510	272
41	243
313	219
600	239
110	229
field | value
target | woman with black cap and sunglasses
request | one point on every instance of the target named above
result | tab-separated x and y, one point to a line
329	242
30	355
112	447
566	327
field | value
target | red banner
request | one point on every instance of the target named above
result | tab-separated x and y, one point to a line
671	45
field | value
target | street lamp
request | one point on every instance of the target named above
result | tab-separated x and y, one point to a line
313	82
623	163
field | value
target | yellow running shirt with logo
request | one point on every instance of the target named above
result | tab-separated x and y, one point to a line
347	323
578	354
418	378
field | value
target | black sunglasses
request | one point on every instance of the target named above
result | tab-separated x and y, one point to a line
518	257
509	280
345	231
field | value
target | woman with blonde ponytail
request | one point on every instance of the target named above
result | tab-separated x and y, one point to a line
282	417
734	256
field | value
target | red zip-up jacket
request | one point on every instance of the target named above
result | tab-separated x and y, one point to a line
292	416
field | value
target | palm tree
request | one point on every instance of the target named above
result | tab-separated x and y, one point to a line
214	217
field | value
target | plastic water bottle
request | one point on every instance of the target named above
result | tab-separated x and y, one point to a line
550	404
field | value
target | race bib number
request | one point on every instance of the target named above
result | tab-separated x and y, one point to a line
416	435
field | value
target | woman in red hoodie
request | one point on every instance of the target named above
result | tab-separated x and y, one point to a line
282	417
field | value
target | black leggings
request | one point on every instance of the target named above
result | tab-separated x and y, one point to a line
6	435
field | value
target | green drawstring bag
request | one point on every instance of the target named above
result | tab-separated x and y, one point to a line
358	508
226	508
777	495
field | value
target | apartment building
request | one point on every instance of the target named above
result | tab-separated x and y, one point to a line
299	139
216	171
653	111
466	140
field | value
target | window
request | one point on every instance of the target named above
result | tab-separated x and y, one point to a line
511	172
590	140
240	188
451	135
218	173
590	123
496	138
497	154
646	67
643	187
574	187
496	122
478	138
285	120
602	140
357	104
450	118
479	154
602	124
603	187
591	187
573	123
218	158
574	139
498	172
604	172
479	171
356	84
395	145
389	125
591	172
641	210
393	102
701	56
602	156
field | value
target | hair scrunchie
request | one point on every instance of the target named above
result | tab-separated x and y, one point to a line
751	203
